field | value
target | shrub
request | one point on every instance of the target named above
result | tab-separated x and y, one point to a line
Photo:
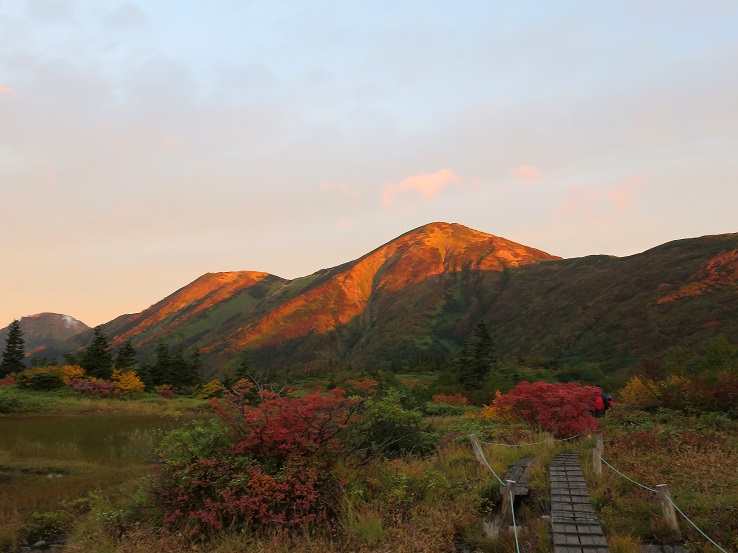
127	382
209	390
387	429
562	409
94	386
69	372
42	379
263	465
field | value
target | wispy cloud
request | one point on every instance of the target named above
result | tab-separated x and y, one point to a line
526	173
427	187
593	203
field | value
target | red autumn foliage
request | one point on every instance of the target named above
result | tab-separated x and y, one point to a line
276	473
279	426
562	409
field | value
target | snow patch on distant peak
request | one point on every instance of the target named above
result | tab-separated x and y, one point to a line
69	322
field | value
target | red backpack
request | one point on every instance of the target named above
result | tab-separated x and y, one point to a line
599	404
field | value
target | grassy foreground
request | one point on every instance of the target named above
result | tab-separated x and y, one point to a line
91	482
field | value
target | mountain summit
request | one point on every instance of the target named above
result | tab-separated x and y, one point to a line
437	269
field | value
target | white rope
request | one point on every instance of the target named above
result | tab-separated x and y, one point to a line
515	526
534	443
621	474
484	459
695	526
512	445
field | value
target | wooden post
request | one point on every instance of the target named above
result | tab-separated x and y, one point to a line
596	461
668	509
508	496
477	449
600	444
551	440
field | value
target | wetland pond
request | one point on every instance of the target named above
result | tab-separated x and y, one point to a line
49	460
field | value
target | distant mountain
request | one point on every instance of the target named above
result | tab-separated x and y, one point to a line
44	332
424	292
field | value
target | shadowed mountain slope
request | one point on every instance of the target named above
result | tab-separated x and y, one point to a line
424	291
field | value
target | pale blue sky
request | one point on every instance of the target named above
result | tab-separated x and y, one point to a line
144	144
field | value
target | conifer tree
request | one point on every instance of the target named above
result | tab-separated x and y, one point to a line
97	360
15	350
160	371
126	356
476	358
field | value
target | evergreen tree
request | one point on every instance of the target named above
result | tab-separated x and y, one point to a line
15	350
126	356
160	371
476	358
483	353
97	360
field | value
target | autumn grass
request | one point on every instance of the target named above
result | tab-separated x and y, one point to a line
695	456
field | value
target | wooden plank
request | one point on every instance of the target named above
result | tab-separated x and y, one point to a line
574	522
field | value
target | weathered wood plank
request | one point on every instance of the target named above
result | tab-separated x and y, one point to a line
574	522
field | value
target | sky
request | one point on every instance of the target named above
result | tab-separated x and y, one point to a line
143	144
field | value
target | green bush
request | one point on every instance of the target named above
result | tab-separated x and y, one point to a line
40	380
388	429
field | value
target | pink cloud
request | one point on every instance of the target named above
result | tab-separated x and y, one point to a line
592	204
526	173
6	90
426	186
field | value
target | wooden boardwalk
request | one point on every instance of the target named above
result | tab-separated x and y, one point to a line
574	522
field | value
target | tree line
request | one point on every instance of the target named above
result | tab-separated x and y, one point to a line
171	365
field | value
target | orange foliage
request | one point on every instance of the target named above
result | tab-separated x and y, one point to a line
499	412
452	399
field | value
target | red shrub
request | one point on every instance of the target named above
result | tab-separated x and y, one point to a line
104	388
280	426
562	409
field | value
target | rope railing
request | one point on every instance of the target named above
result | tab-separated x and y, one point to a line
479	454
529	444
666	501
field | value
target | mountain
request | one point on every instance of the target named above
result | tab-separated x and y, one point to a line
423	293
44	332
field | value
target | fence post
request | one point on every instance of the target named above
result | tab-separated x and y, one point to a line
477	449
508	496
600	444
550	439
668	509
596	461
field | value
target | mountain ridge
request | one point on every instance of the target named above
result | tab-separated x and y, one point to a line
426	289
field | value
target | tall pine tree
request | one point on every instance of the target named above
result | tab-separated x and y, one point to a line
97	360
15	350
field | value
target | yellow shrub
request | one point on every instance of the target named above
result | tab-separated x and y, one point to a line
127	382
211	389
642	391
68	372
